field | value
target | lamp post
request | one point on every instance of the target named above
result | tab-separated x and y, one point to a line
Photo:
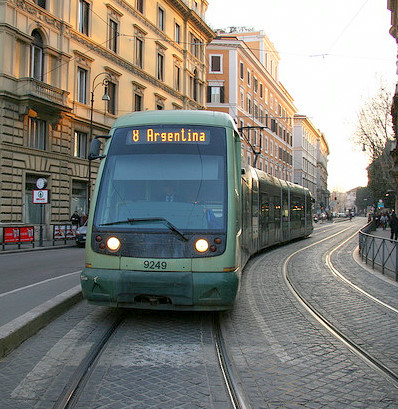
105	97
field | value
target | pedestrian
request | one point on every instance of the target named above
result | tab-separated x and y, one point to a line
83	219
394	226
384	221
75	220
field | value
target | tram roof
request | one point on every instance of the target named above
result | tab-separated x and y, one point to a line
191	117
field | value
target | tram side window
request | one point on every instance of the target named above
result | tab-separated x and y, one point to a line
264	209
277	205
297	207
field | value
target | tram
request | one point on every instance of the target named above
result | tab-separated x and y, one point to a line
174	216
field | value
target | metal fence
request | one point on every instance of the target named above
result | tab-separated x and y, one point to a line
381	253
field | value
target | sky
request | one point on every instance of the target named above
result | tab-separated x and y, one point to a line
333	57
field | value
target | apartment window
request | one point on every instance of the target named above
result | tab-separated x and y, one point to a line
216	64
37	56
196	92
215	94
138	102
177	78
161	18
255	110
177	33
261	90
82	85
249	104
113	34
112	95
241	71
195	46
80	145
41	3
37	133
139	52
242	99
249	78
140	6
84	10
160	66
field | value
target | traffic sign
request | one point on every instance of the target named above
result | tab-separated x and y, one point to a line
40	196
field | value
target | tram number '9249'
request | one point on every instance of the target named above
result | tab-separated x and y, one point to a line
155	265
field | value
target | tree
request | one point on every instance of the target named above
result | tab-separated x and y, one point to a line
374	134
364	199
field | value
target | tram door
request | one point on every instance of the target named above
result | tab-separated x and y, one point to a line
255	213
285	215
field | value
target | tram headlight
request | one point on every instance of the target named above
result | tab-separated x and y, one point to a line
113	244
201	245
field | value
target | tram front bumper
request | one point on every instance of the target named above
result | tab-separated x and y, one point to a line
160	290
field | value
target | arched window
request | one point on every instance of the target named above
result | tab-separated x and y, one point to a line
37	56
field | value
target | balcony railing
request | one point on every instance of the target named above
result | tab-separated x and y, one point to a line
39	89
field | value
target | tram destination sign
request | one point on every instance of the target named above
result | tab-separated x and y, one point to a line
170	135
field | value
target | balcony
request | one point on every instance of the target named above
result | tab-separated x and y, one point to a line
41	92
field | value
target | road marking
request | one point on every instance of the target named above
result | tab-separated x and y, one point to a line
39	283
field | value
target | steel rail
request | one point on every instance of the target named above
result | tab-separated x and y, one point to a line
387	373
350	283
231	379
70	394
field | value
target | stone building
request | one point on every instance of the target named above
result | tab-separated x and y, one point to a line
69	68
310	156
243	81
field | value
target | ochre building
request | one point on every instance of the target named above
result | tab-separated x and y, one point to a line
243	80
69	68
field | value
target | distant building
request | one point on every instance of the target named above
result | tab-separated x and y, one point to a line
392	5
338	202
310	156
243	81
145	55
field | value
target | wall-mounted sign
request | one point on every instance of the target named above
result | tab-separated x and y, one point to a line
40	196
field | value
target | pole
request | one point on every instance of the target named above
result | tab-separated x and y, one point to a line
41	226
89	161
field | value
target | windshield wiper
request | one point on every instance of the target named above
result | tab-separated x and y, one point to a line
146	220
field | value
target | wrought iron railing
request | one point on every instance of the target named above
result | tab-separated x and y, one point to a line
380	252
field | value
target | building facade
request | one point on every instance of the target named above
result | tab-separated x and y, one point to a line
310	152
392	5
322	192
243	82
72	67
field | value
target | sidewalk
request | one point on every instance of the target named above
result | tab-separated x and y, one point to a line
51	297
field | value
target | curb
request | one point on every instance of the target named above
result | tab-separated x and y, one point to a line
20	329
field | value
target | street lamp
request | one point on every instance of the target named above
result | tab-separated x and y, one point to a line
105	97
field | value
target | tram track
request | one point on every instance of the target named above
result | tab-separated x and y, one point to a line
388	373
78	381
71	392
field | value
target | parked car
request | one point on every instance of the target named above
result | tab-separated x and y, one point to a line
81	235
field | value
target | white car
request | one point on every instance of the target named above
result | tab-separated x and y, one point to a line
81	235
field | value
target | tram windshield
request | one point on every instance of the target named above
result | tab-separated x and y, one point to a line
164	178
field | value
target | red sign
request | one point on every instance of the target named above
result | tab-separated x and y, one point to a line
18	234
62	232
11	235
27	234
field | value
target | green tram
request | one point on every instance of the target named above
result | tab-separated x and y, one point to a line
174	216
